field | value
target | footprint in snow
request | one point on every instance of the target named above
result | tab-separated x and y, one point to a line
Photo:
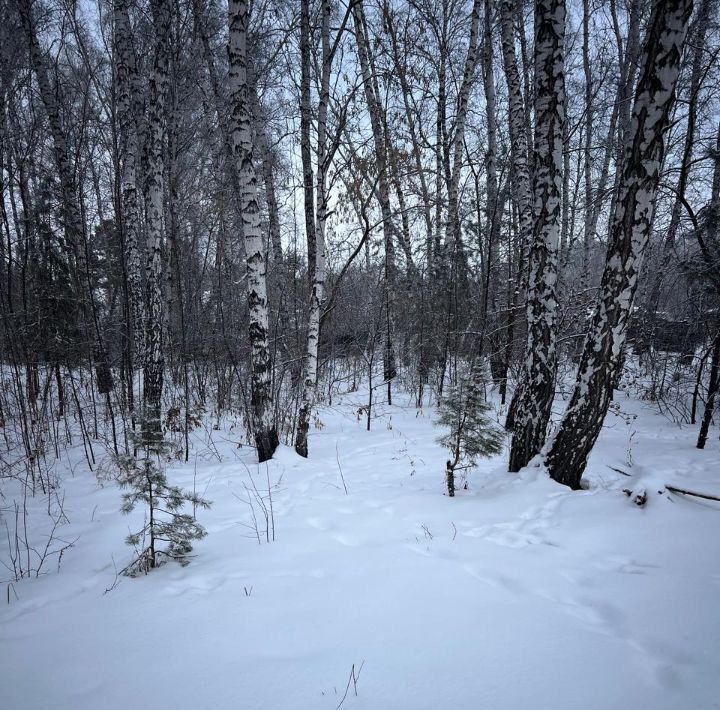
497	580
348	540
318	523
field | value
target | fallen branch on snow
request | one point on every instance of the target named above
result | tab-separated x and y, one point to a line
684	491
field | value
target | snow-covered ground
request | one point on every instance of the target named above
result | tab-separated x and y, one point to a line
517	593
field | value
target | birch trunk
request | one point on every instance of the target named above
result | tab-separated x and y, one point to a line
537	387
493	211
154	360
521	190
220	102
317	294
305	142
240	129
640	173
127	103
517	120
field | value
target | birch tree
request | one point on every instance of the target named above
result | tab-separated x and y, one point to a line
128	107
568	451
240	126
537	387
154	360
317	271
521	189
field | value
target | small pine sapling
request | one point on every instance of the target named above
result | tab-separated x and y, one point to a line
167	532
472	432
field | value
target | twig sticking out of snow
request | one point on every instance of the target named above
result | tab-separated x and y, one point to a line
354	677
337	458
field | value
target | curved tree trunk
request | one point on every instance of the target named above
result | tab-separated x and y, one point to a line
644	151
713	387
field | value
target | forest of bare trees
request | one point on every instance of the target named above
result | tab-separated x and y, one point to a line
214	211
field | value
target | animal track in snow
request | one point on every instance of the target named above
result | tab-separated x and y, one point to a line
526	530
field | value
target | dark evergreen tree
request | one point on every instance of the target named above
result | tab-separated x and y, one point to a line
472	432
167	532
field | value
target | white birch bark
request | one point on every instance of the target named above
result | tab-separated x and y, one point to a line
127	104
520	181
154	360
537	387
240	127
567	453
517	120
317	294
305	142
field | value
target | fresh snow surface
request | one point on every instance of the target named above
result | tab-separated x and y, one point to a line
518	593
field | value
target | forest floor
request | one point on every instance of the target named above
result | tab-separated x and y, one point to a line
517	593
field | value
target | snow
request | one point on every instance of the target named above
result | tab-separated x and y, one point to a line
516	593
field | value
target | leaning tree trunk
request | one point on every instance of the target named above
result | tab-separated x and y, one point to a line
537	387
521	190
713	387
640	173
154	360
317	293
712	226
262	419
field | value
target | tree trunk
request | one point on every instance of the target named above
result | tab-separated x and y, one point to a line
127	103
713	387
521	191
383	190
494	206
240	125
632	217
154	360
537	387
452	236
317	294
305	143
